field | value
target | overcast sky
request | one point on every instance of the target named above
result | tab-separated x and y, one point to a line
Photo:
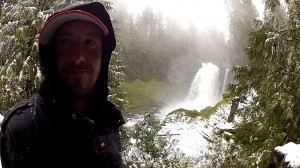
204	13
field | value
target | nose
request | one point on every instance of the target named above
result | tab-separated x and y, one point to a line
78	55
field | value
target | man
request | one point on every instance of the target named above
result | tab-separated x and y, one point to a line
69	123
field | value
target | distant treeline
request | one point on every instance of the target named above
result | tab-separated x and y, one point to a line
158	48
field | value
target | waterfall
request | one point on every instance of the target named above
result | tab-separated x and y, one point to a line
204	90
225	81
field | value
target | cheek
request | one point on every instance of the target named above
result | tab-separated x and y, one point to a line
60	62
97	64
94	58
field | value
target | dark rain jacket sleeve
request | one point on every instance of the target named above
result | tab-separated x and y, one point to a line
13	128
8	152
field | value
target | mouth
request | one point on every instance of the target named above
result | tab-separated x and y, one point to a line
77	71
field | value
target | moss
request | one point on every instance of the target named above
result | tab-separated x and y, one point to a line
189	113
144	95
227	95
205	113
208	111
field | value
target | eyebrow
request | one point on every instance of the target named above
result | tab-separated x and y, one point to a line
93	34
61	34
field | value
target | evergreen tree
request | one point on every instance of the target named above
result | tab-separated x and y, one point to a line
150	149
116	80
19	70
271	118
241	14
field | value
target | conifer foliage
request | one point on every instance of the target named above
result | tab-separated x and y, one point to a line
149	148
272	81
116	81
19	72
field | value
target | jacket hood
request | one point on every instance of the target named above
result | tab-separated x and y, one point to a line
94	12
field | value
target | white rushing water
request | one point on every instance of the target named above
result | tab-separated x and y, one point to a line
204	90
225	81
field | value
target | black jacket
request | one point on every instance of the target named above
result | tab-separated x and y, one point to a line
45	131
35	136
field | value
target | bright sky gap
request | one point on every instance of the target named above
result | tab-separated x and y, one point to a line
202	13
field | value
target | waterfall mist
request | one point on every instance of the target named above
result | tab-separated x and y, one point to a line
205	90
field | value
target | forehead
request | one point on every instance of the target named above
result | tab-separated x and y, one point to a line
79	27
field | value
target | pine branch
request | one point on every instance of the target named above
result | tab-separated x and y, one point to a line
283	31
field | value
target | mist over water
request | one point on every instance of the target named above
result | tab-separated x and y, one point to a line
204	90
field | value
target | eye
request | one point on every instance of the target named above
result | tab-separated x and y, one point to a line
63	42
91	42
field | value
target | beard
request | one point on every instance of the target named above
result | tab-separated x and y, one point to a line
79	81
80	87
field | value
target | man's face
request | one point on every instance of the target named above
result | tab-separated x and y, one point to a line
78	46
